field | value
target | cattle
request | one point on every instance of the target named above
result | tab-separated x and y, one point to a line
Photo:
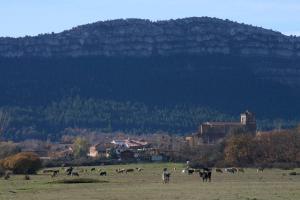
120	171
205	175
93	169
103	174
241	170
69	171
190	171
129	170
139	169
7	175
260	169
166	176
26	177
230	170
219	170
206	169
54	173
74	174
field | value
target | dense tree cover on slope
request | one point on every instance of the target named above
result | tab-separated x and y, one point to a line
107	116
175	94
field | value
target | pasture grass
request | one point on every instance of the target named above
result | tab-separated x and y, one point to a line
272	184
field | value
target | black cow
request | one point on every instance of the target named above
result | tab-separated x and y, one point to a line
129	170
69	171
191	171
205	175
103	173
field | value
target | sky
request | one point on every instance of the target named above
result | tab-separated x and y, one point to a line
32	17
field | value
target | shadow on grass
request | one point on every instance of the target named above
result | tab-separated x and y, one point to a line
77	180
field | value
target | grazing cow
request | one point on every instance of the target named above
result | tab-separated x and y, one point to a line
103	174
93	169
230	170
74	174
206	169
129	170
54	173
26	177
191	171
166	176
219	170
241	170
69	171
139	169
120	171
205	175
260	169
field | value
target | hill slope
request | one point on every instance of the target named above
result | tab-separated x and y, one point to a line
193	62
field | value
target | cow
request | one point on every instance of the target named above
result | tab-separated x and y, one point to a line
166	176
205	175
139	169
69	171
120	171
7	175
241	170
103	174
129	170
206	169
260	169
74	174
26	177
230	170
93	169
190	171
54	173
219	170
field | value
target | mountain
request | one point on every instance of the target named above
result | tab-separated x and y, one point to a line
206	64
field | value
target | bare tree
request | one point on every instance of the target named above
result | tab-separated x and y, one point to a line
4	120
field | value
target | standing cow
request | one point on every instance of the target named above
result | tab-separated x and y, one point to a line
166	176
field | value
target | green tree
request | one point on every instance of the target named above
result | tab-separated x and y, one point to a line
81	147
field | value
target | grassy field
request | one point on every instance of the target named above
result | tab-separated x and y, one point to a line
271	185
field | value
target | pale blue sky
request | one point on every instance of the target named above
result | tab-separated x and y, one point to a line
31	17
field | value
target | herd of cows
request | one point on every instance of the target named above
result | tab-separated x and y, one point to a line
204	173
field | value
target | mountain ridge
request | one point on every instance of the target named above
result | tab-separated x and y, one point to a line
138	37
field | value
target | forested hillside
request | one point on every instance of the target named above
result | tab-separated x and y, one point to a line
141	76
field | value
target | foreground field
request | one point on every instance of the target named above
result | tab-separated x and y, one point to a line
272	184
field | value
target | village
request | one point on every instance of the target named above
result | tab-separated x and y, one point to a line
120	147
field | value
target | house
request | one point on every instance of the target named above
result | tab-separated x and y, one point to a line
127	155
212	132
130	144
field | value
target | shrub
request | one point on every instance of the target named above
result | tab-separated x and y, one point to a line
22	163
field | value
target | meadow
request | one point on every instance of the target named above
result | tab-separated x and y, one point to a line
272	184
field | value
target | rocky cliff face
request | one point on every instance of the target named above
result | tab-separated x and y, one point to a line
135	37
